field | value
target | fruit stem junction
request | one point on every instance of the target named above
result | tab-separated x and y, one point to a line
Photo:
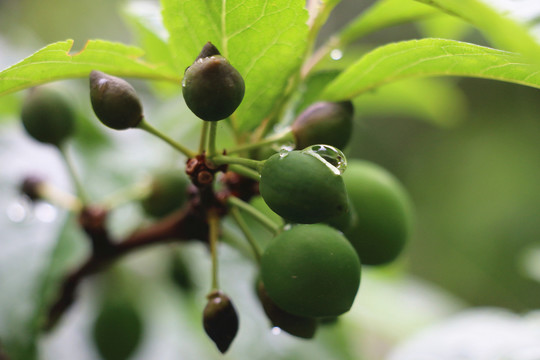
250	163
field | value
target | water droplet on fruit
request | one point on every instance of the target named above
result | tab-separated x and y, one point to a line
283	153
276	330
330	155
336	54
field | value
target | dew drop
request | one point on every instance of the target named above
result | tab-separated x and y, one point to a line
45	212
330	155
276	330
17	212
336	54
283	153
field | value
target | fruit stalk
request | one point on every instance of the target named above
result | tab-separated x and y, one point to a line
149	128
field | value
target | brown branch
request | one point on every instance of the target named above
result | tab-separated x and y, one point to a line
185	224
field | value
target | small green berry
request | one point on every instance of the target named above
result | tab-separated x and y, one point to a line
47	116
168	193
382	210
118	330
311	270
300	326
212	87
303	187
114	101
324	123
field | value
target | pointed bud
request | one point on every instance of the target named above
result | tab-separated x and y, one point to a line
212	87
208	50
220	320
114	101
327	123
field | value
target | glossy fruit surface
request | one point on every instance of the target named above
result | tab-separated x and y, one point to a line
383	212
324	123
114	101
212	87
303	187
168	193
47	116
220	320
311	270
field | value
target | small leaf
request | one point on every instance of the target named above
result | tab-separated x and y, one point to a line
435	101
54	62
430	57
264	40
502	31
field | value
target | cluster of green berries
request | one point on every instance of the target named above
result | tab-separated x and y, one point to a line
339	215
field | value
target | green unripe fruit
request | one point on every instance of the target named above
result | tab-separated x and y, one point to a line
324	123
300	326
383	213
47	116
168	193
114	101
212	87
303	186
117	330
343	221
311	270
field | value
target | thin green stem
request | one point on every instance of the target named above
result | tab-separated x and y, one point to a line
259	216
244	171
149	128
60	198
213	223
137	191
283	136
212	138
204	135
250	163
81	193
247	233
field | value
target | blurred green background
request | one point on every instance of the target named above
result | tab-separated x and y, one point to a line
467	150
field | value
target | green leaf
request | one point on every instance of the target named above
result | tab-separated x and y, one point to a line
435	101
147	23
502	31
430	57
264	40
382	14
54	62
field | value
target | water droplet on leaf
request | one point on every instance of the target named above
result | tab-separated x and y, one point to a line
336	54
